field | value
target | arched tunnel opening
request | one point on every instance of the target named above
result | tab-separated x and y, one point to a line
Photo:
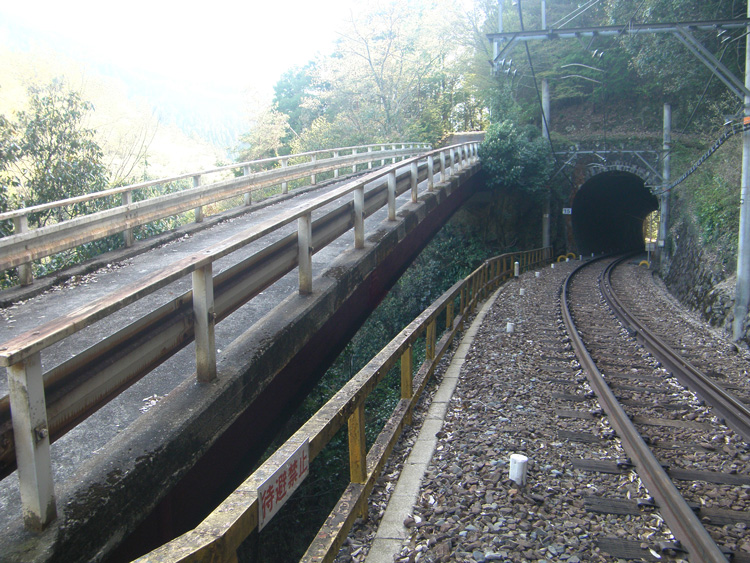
608	213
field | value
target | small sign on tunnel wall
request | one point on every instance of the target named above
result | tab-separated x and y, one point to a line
567	211
277	489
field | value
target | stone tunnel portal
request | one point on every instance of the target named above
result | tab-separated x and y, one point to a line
608	213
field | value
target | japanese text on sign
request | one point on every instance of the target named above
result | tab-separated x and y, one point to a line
274	492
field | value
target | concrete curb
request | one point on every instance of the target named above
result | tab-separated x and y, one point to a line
392	533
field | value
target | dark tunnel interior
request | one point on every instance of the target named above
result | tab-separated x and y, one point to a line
608	213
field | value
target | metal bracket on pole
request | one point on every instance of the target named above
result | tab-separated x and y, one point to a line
711	62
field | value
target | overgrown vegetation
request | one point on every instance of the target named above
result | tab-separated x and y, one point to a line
516	158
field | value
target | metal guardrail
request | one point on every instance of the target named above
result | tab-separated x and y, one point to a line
20	249
41	407
217	538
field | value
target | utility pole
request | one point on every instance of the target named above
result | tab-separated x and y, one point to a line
547	196
742	290
666	170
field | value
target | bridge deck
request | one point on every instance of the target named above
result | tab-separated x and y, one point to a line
71	451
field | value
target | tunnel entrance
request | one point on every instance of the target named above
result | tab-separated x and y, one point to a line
608	213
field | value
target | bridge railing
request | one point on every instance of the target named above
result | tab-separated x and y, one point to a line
24	246
221	532
42	406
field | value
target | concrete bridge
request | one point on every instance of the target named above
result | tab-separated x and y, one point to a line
152	403
186	415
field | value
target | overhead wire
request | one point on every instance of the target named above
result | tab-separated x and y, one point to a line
539	97
575	13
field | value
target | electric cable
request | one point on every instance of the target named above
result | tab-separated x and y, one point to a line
539	98
734	130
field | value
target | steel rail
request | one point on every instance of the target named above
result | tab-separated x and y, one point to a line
678	515
735	414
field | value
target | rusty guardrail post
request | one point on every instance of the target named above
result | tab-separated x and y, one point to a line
285	184
430	338
414	176
31	436
205	321
359	217
430	173
358	450
407	378
248	197
25	273
198	210
392	195
304	252
127	234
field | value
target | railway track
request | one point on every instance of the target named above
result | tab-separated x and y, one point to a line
587	497
693	467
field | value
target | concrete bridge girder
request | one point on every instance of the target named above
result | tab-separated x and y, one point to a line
201	435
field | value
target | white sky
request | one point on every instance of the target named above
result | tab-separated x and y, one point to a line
219	43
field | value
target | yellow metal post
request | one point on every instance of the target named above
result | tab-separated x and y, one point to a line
407	387
430	341
358	450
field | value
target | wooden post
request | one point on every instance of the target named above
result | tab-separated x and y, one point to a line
407	374
449	315
127	234
25	273
359	217
304	242
198	210
31	435
392	196
248	194
205	320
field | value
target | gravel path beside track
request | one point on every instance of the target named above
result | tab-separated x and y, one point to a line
521	392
